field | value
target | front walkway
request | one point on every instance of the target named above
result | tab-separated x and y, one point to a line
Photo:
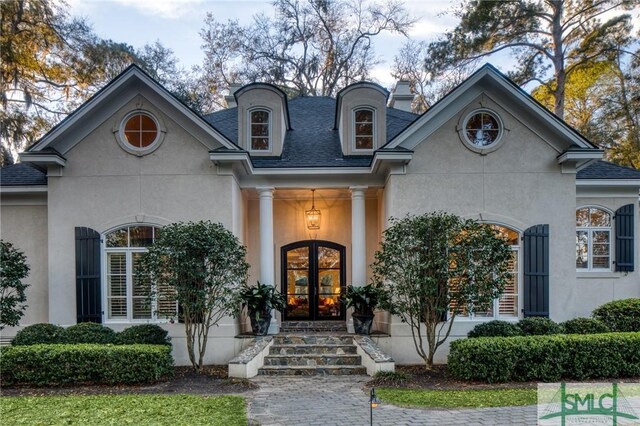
340	400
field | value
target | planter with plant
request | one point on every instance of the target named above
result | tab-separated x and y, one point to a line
363	300
260	300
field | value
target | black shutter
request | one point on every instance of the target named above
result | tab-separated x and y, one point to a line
624	238
88	295
536	271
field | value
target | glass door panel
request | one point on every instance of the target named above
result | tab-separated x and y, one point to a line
297	291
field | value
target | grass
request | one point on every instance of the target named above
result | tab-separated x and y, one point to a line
123	409
475	398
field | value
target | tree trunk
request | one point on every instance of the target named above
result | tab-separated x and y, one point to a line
558	58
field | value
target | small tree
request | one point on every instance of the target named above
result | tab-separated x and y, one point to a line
435	266
13	269
201	266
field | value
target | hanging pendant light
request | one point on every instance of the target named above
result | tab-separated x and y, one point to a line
313	215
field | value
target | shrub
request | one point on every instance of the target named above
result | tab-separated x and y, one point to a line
546	358
538	326
390	379
39	333
620	315
53	365
89	332
148	334
495	329
584	326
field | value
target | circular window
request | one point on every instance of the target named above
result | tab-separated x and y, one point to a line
482	131
139	133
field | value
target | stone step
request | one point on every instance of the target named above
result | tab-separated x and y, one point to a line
299	349
312	339
312	360
325	370
315	326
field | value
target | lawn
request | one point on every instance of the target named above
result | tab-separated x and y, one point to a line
475	398
123	409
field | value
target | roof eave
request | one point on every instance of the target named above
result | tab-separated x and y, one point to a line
40	159
23	189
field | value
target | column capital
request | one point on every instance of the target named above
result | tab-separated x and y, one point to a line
265	191
358	191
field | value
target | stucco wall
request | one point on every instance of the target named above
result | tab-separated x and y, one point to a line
23	222
518	185
103	187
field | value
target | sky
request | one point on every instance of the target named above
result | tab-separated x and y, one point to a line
177	23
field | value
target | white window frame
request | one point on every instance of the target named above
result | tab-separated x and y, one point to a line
496	302
269	130
590	230
482	150
124	143
128	251
374	137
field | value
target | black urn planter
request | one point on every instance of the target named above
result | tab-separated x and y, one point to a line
260	326
362	324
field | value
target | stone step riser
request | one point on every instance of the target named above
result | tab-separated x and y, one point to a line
313	349
313	360
318	371
304	326
312	340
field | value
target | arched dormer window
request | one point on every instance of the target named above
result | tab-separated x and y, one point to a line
260	130
593	239
363	129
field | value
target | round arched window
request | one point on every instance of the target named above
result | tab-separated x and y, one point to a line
482	130
140	130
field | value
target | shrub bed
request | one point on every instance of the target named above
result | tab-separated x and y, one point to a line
538	326
546	358
620	315
584	326
39	333
148	334
495	329
54	365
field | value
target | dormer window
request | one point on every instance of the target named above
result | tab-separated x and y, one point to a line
260	130
363	129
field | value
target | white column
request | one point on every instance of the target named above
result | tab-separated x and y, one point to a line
358	241
358	236
267	260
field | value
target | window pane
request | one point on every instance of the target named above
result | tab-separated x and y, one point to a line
118	308
259	130
141	236
582	249
600	218
117	285
147	123
147	138
512	237
582	217
508	306
475	122
364	129
364	116
601	249
260	144
298	258
259	117
601	237
328	258
364	142
601	262
118	238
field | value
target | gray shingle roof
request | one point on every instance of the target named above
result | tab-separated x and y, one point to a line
312	142
21	174
607	170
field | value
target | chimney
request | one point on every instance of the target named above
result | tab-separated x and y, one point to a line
230	99
401	96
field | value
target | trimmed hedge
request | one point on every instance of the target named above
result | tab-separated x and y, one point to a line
55	365
89	332
495	329
620	315
538	326
39	333
546	358
584	326
148	334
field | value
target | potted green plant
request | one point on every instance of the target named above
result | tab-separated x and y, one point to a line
260	300
363	300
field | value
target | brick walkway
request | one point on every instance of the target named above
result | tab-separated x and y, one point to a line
340	400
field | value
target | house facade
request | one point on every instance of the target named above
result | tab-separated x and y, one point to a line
308	185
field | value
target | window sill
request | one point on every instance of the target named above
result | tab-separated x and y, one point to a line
607	275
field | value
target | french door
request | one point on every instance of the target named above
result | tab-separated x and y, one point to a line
313	277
